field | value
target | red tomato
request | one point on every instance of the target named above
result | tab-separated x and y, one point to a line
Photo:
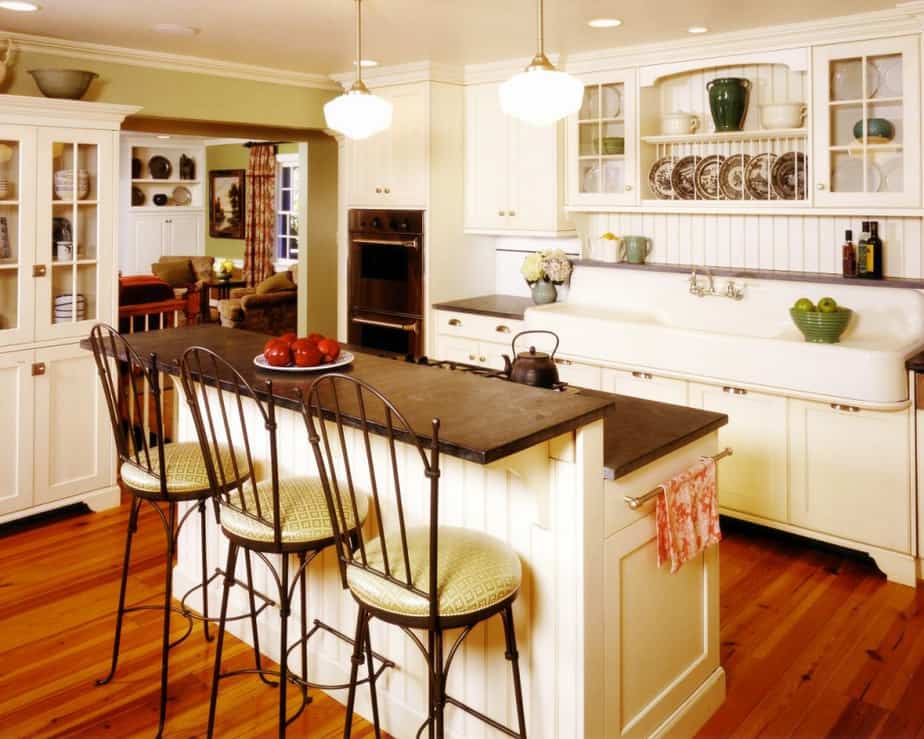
306	353
274	340
278	354
289	338
315	338
329	348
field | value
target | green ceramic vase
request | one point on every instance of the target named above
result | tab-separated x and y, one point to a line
728	100
544	292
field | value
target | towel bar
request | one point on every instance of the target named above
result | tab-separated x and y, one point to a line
634	503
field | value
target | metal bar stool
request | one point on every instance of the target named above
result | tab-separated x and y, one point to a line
415	577
284	517
155	473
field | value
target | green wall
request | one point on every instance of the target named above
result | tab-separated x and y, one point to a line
165	93
229	156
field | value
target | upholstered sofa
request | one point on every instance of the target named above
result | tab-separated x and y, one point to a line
269	313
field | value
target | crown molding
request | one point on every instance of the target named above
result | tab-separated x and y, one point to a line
162	60
77	113
905	18
402	74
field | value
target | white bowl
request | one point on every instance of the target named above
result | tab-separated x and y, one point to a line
64	183
782	115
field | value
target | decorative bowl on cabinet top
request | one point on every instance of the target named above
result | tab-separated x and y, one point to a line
71	84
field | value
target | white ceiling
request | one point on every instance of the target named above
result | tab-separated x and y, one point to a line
317	36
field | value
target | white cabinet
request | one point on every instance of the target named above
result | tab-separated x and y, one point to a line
16	417
879	81
851	473
470	351
645	385
578	374
57	279
754	479
602	165
513	173
389	170
156	235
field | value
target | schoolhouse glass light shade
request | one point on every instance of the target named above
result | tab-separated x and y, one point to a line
358	114
541	95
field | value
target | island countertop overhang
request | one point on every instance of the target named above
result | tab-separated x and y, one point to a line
482	420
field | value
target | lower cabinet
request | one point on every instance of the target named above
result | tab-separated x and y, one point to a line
851	473
579	375
469	351
58	443
645	385
754	479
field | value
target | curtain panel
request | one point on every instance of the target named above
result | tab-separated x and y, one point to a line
260	223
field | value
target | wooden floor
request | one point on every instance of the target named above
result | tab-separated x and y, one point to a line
814	641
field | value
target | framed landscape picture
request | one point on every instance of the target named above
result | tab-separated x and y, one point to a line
226	203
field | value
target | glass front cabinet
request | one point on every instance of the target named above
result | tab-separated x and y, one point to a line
602	142
867	124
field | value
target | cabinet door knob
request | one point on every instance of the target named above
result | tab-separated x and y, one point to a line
38	369
472	357
820	186
387	191
628	188
455	322
378	190
501	213
482	359
511	212
39	270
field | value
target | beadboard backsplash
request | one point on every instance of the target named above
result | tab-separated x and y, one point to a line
797	243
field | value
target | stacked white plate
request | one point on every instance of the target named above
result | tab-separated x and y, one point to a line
68	305
64	184
4	188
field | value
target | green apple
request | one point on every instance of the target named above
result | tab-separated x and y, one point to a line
804	305
827	305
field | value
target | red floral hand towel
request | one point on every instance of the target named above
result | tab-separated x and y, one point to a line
688	515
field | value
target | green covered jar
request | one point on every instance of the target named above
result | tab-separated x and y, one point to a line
728	100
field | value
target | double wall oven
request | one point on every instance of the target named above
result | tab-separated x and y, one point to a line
386	273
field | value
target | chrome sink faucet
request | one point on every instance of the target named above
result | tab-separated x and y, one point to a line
732	291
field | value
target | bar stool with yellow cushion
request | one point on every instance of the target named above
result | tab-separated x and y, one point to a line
275	516
161	474
415	577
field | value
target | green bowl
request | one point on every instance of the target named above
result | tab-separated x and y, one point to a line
879	130
614	145
821	328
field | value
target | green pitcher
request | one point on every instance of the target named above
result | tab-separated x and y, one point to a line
728	99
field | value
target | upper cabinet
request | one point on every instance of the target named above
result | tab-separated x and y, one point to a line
514	179
867	123
602	143
389	169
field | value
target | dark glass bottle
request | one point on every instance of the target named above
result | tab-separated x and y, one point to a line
874	252
861	250
849	263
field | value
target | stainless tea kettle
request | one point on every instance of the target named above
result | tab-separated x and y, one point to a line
532	368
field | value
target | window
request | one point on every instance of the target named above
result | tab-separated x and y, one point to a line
287	207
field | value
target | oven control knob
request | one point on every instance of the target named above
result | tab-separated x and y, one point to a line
405	225
376	223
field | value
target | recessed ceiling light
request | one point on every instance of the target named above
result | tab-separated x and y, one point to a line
367	63
697	29
19	7
604	23
174	29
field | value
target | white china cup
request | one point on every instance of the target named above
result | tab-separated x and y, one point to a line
783	115
678	124
606	250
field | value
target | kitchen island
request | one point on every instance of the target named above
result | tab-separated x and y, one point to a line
610	645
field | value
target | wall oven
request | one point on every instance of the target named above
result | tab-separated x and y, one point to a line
386	268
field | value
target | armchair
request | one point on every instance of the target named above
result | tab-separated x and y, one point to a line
270	313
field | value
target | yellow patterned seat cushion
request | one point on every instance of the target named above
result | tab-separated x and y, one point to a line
186	473
302	506
476	571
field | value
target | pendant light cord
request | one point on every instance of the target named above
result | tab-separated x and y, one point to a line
359	41
540	36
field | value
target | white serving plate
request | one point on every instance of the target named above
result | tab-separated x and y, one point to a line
343	360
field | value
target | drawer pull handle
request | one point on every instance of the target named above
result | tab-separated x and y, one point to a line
642	376
734	390
564	362
845	408
501	213
502	329
482	359
408	327
472	357
455	322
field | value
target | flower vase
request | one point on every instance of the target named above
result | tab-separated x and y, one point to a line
543	292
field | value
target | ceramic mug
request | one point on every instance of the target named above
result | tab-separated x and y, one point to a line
64	251
678	124
635	249
783	115
606	250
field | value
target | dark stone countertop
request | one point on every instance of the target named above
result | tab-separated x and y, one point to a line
499	306
482	419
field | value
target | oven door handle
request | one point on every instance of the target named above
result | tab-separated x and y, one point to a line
408	327
412	244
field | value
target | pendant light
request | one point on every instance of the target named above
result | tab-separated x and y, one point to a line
542	94
358	114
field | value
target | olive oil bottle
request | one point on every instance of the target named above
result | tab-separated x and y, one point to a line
862	259
874	252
